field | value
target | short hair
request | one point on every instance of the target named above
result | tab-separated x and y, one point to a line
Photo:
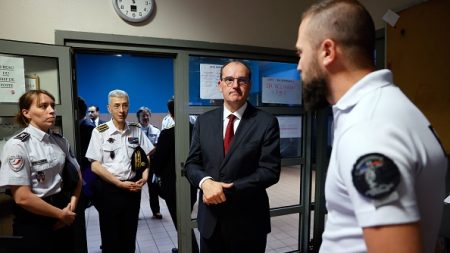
141	109
25	102
236	61
117	93
82	108
171	106
345	21
96	107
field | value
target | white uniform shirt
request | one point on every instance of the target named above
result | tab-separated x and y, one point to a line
152	133
113	149
34	158
374	116
167	122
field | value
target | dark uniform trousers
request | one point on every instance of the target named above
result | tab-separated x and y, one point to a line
38	235
118	213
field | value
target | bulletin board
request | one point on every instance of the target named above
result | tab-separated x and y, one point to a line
418	55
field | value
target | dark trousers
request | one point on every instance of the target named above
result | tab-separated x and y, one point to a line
172	206
153	193
79	226
37	231
118	213
224	240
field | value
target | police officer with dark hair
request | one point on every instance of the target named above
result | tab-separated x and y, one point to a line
119	154
32	168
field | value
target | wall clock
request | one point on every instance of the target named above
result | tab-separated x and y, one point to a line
134	10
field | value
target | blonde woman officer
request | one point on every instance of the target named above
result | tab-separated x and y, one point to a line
31	168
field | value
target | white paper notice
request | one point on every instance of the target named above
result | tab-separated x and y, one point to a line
12	78
281	91
290	126
209	78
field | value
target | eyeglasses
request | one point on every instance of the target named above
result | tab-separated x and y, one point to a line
91	111
229	80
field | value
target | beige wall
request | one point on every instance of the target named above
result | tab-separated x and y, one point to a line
265	23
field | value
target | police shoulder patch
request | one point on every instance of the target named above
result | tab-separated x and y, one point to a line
102	127
23	136
375	175
16	162
135	124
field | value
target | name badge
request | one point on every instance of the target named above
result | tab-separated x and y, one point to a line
39	162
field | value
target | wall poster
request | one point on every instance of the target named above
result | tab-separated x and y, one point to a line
12	78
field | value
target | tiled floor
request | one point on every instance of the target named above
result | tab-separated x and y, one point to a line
159	236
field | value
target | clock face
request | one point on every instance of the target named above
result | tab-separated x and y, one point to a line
134	10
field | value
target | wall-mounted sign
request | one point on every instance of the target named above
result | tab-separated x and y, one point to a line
281	91
209	78
12	78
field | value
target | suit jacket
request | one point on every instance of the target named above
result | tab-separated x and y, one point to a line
86	126
163	165
163	162
252	164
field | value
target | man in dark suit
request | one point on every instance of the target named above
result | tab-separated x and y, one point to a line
233	213
163	164
87	125
94	116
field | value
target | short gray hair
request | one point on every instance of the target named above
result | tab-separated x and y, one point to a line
117	93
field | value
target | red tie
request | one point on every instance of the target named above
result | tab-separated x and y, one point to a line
229	133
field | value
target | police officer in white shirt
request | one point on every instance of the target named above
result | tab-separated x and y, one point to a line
385	181
32	168
119	153
143	115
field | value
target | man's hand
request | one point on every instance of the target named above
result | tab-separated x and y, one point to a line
213	192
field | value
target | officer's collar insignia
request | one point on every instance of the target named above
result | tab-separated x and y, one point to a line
16	162
40	176
23	136
134	124
39	162
133	140
110	140
139	159
375	176
102	127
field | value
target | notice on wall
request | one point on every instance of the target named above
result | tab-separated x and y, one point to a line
281	91
12	78
290	126
209	78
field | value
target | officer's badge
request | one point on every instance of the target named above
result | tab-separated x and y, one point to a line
139	160
40	176
133	140
110	140
16	162
375	176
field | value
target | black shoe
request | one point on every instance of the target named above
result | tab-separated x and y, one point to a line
175	250
157	216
